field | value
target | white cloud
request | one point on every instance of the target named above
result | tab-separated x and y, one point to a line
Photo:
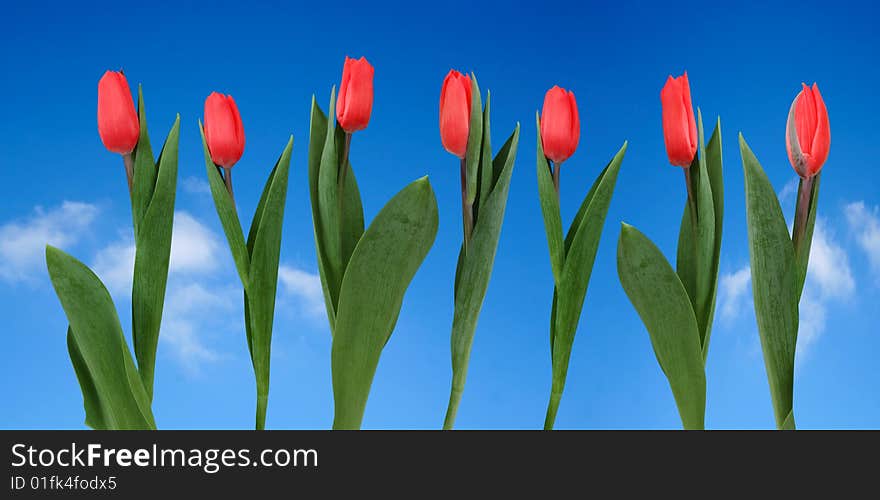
22	243
789	190
189	309
194	250
735	293
195	185
306	287
194	247
865	225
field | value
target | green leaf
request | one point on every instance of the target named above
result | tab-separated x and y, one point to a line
352	207
575	276
802	247
486	167
144	175
381	268
663	304
475	136
328	208
113	391
151	261
773	282
264	276
550	211
716	180
227	213
474	270
317	137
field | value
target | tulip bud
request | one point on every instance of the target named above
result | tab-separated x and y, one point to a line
455	113
560	125
355	95
679	126
117	120
224	132
808	134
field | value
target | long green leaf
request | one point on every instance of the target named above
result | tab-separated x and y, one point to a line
716	180
228	214
575	277
659	297
550	211
144	176
474	271
773	283
352	217
485	171
475	137
113	392
328	208
381	268
151	261
264	276
317	138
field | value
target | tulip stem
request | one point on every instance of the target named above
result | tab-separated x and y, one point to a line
467	211
128	160
556	172
692	202
340	179
802	210
227	178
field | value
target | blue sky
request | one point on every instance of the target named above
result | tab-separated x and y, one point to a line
745	64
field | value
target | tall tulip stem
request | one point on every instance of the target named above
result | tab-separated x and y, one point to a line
128	160
227	178
557	167
340	177
467	211
802	210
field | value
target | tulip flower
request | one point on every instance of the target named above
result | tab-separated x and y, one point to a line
117	120
355	95
807	133
223	130
455	113
679	126
560	125
224	133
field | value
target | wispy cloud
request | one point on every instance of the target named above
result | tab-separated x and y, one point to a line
191	309
864	224
195	185
735	293
789	190
23	242
305	287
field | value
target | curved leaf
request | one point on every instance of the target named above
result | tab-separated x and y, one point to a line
381	268
475	137
263	281
151	261
575	276
227	213
317	137
773	283
113	391
663	304
144	175
550	211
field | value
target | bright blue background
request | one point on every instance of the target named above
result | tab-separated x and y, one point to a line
745	64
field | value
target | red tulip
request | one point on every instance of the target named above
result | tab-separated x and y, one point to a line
808	134
560	125
455	112
355	95
679	126
117	120
224	132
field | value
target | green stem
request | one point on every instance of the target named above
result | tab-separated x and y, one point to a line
557	167
802	211
262	403
452	409
128	161
227	178
467	210
552	408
